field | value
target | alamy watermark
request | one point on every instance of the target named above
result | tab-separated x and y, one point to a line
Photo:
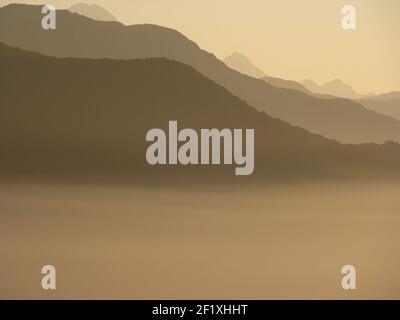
349	20
49	278
349	280
49	20
188	153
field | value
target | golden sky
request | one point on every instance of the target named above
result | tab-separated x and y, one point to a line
290	39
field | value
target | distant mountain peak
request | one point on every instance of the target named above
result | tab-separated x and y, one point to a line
310	81
311	85
337	81
238	54
92	11
335	87
241	63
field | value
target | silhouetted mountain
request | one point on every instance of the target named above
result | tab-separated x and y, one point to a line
395	95
92	11
78	36
340	89
81	116
310	85
286	84
294	85
387	107
335	88
241	63
387	104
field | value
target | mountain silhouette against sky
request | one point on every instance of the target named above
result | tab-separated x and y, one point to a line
78	36
335	88
311	85
387	103
286	84
92	11
394	95
241	63
77	116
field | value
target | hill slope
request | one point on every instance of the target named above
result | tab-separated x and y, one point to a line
387	104
394	95
387	107
286	84
77	116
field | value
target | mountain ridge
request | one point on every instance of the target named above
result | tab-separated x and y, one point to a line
241	63
335	87
340	119
92	11
96	113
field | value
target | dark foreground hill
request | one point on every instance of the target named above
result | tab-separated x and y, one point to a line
80	117
78	36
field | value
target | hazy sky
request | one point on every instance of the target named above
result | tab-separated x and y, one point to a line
290	39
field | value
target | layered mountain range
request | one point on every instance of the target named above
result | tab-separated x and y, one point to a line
78	36
78	116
